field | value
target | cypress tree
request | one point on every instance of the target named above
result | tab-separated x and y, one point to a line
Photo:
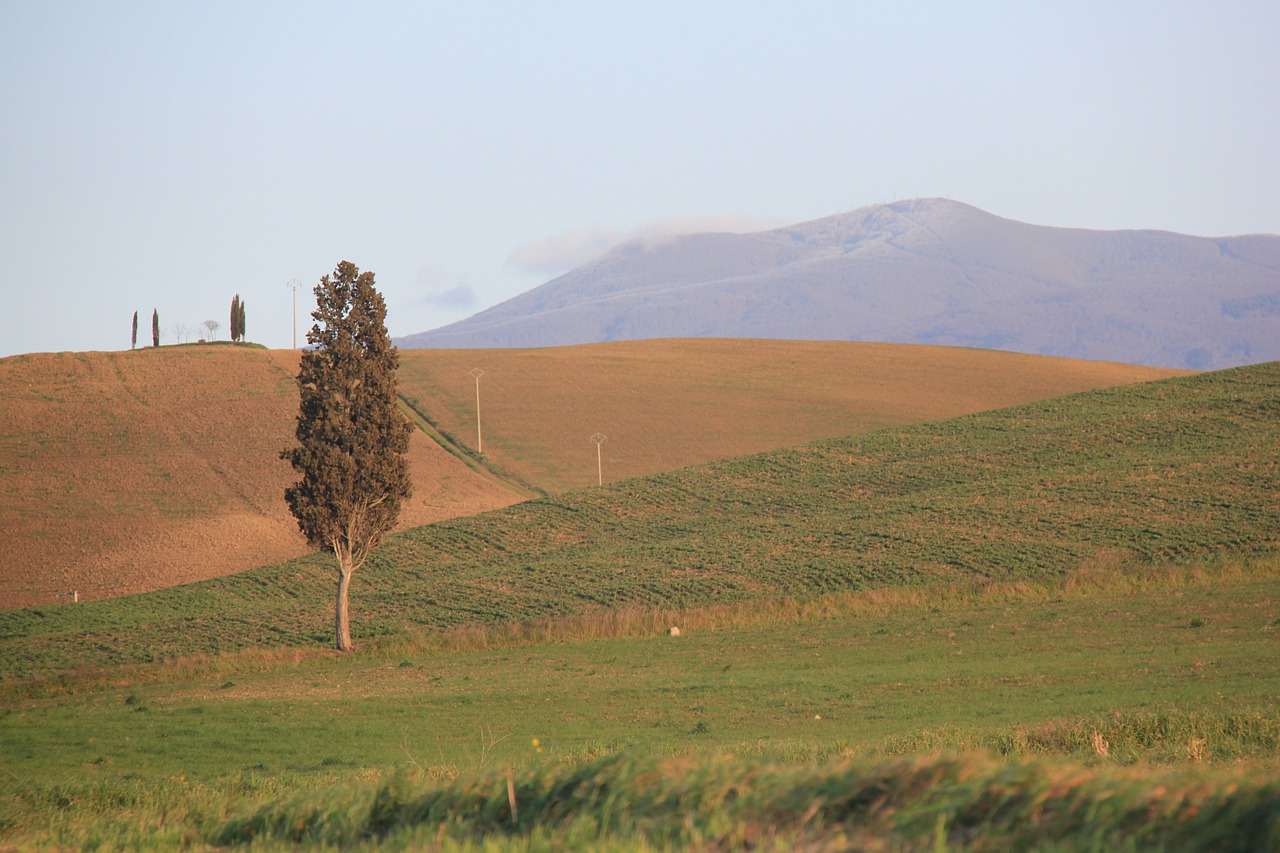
235	317
155	327
133	342
351	436
240	322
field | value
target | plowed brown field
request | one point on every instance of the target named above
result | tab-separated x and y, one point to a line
665	404
122	472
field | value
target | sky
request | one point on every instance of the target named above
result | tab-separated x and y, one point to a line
167	156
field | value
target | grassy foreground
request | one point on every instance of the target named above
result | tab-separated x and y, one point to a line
723	803
1104	710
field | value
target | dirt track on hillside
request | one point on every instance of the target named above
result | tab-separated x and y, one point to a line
124	472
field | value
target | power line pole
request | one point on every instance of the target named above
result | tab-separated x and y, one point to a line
477	373
599	440
294	284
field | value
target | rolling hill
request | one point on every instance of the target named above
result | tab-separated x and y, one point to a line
928	271
128	471
666	404
1182	469
133	471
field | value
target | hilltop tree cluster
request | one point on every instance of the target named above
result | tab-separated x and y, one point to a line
181	332
237	318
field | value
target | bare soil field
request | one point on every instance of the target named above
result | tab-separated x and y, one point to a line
666	404
123	472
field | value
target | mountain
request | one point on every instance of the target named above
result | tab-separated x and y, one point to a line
930	271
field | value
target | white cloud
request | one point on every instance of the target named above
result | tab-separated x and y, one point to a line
569	249
437	291
461	295
566	250
723	223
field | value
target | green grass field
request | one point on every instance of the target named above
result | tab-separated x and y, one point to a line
1171	668
1051	626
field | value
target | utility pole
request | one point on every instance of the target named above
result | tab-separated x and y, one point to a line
294	284
599	440
476	374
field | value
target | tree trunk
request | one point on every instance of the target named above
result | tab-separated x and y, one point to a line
341	618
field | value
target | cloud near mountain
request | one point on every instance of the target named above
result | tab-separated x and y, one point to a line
929	271
437	289
579	246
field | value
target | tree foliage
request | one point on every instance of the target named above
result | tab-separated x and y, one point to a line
155	327
352	437
237	318
133	342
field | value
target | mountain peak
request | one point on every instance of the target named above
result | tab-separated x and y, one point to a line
925	270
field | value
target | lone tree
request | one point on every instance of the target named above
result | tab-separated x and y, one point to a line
352	438
155	327
133	342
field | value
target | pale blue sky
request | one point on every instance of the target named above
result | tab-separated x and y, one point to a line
171	154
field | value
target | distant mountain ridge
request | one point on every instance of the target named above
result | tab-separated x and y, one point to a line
930	271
